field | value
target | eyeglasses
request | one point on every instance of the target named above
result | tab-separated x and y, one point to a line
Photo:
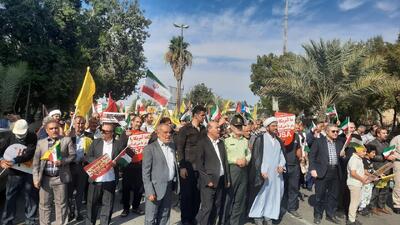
106	131
52	128
335	131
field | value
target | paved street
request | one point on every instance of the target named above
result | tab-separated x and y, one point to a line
305	209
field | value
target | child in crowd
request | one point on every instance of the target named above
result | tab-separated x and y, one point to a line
366	190
355	180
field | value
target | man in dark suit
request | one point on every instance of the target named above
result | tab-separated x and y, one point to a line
324	166
160	177
102	190
213	174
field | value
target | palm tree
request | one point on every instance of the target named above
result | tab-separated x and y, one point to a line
179	58
328	73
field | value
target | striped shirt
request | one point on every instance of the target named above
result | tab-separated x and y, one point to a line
332	153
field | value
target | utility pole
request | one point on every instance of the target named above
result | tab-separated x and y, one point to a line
285	26
179	80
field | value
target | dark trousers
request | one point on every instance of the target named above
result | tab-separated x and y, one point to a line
158	212
190	196
100	196
379	197
77	185
210	206
132	181
290	200
235	204
15	185
326	193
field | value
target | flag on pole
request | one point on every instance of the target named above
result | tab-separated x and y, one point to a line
345	124
155	89
183	107
215	113
238	107
125	158
85	97
388	151
226	106
331	111
254	114
112	105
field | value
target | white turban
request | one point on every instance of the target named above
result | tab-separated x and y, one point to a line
55	112
268	121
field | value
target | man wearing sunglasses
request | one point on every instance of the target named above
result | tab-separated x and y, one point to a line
324	167
102	190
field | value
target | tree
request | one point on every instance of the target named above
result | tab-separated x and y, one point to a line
200	95
179	58
10	80
58	39
328	73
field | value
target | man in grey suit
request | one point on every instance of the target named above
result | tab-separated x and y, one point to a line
160	177
51	173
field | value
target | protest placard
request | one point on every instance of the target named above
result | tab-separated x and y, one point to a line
99	167
286	124
15	150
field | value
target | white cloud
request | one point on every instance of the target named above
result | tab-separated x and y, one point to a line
346	5
224	46
391	7
295	7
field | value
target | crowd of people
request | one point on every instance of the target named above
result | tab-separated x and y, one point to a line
229	171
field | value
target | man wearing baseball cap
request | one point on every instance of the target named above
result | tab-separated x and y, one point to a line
18	147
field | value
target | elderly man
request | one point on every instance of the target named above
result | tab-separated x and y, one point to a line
214	174
82	141
19	181
51	173
160	177
266	179
324	167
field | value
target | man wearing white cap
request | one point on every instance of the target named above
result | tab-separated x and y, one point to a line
265	178
18	147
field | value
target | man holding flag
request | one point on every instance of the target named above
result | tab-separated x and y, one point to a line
51	173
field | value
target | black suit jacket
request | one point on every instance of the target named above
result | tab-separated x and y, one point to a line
209	164
96	151
319	156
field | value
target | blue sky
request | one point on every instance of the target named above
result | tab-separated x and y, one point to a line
227	35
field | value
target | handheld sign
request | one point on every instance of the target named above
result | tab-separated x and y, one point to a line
99	167
15	150
286	124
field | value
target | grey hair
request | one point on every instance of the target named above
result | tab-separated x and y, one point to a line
47	120
330	125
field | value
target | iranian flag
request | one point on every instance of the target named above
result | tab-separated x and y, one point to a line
389	150
345	124
53	154
215	113
331	111
155	89
124	158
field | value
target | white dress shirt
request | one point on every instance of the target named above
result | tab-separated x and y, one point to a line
169	157
215	144
109	176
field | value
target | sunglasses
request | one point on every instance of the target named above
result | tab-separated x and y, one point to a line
335	131
106	131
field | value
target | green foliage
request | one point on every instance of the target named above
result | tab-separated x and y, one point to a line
59	38
201	95
10	79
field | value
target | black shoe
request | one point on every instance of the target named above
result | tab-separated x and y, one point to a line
125	213
295	214
317	220
396	210
79	217
333	219
138	211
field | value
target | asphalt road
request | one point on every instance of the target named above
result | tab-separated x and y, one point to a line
305	210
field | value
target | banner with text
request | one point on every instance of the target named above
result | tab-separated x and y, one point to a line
286	124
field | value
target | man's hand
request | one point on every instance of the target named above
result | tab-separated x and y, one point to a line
228	185
391	157
210	184
57	163
5	164
241	162
280	169
36	185
183	172
365	180
264	175
314	173
113	163
152	198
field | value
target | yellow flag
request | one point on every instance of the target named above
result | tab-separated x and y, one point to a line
255	112
161	115
183	107
226	107
85	98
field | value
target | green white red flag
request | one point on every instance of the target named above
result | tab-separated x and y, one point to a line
389	150
345	124
215	113
154	88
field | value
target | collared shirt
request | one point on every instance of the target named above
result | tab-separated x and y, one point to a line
169	157
79	148
237	149
110	175
355	163
332	152
50	169
215	144
147	127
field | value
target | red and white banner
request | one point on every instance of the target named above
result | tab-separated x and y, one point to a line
286	125
99	167
137	142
